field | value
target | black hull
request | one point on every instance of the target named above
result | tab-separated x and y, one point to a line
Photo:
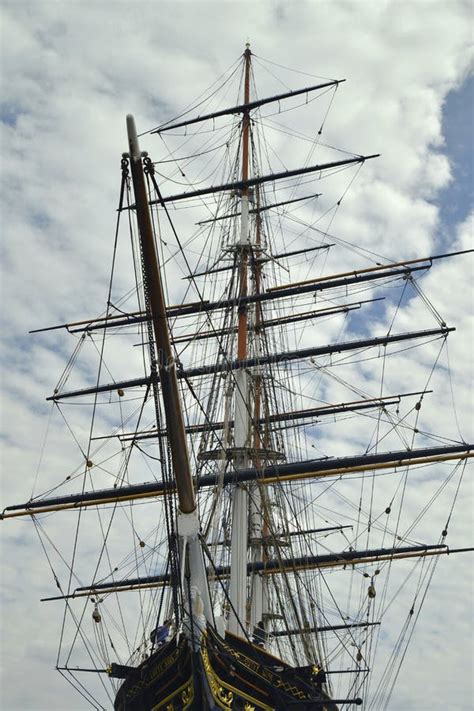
225	673
165	679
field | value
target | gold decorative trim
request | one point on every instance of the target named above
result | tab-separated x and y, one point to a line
187	696
223	693
152	674
265	673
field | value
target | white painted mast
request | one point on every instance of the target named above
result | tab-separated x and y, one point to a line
237	622
258	521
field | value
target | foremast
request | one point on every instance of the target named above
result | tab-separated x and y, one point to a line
165	368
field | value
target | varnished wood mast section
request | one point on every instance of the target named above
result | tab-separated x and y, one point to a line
166	362
242	318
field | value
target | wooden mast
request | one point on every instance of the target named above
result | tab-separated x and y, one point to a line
244	236
188	522
258	523
239	536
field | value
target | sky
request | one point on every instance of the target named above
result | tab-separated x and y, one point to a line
70	72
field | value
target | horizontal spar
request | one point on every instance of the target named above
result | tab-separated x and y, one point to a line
334	281
277	539
292	416
241	184
313	468
269	567
326	628
261	260
202	307
258	210
271	323
273	359
245	108
393	269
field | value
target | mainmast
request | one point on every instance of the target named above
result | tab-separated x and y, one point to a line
239	538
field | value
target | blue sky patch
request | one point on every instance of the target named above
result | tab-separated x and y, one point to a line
456	200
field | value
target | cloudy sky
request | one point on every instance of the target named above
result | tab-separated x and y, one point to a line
71	71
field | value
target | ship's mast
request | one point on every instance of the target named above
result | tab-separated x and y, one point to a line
258	527
188	522
239	538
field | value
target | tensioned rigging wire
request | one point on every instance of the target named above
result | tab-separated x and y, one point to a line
112	570
195	155
277	126
105	538
76	535
84	693
190	271
196	182
193	107
405	479
208	416
290	69
67	605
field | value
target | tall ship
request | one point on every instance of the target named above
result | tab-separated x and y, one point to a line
247	427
